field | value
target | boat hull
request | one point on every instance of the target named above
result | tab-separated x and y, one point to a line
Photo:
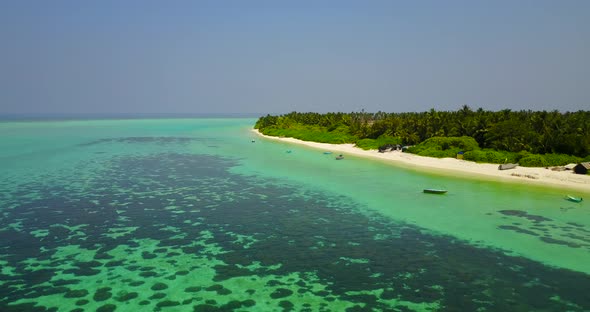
574	199
434	191
507	166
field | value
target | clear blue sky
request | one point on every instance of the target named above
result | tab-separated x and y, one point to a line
280	56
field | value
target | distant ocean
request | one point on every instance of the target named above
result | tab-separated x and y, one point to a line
201	214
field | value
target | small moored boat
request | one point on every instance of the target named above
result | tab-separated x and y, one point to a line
507	166
339	157
327	153
434	191
574	199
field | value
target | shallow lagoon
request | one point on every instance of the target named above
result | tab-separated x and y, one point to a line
191	215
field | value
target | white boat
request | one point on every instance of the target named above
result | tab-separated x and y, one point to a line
435	191
574	199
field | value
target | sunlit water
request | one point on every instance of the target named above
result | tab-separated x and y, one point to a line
191	215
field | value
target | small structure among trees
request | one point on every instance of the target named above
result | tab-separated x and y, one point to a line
582	168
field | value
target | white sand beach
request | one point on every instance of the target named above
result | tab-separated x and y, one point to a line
451	166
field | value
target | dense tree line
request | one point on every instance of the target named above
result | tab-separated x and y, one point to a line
525	131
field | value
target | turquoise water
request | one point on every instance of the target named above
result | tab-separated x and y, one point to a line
191	215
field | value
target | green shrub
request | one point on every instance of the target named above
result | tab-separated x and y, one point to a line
533	160
311	133
491	156
439	153
463	143
367	144
477	156
496	157
444	147
561	159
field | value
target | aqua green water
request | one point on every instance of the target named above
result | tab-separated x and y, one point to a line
191	215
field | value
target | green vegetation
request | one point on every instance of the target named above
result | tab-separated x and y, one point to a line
444	146
383	140
492	156
313	133
529	138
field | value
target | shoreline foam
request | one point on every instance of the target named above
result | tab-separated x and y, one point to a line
450	166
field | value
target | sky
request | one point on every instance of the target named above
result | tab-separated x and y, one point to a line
258	57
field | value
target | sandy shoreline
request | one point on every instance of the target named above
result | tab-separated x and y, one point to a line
451	166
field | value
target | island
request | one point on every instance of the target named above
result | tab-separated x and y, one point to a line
465	142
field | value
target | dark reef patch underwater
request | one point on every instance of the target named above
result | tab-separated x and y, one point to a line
181	232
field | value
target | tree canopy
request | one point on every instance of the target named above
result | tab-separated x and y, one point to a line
521	133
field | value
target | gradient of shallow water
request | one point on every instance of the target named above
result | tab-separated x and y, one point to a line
190	215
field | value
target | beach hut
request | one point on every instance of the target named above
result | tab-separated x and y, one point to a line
569	166
582	168
460	155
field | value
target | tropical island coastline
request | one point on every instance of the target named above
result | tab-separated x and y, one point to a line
539	176
538	147
451	166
